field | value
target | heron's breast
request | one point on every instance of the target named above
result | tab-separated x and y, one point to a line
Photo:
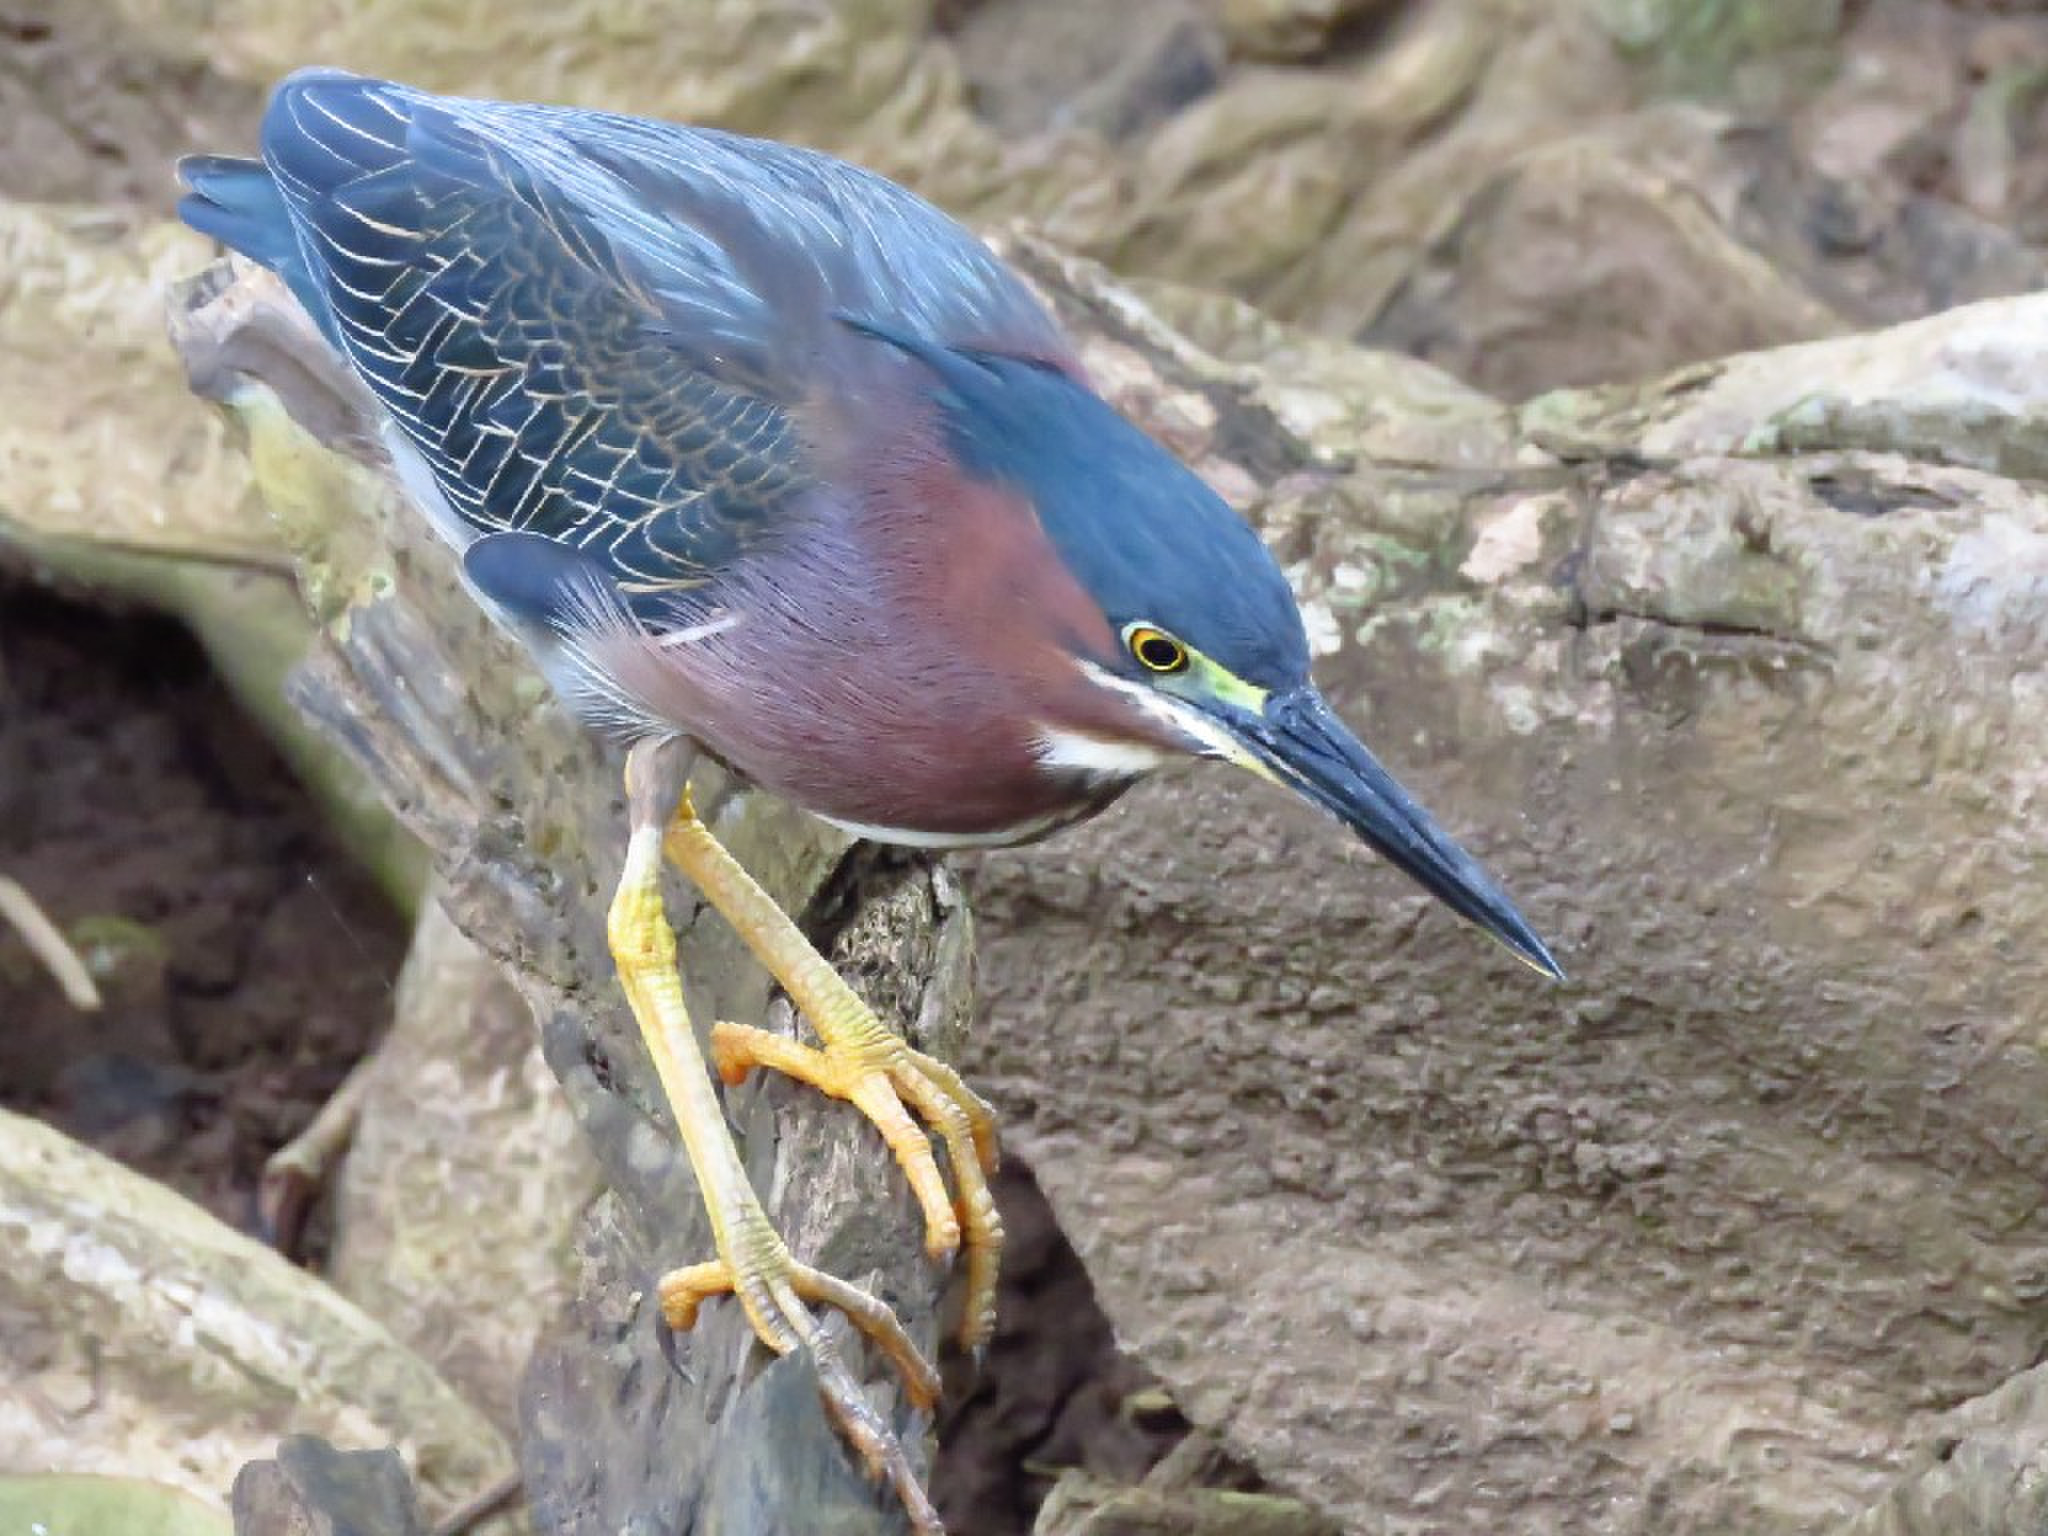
911	674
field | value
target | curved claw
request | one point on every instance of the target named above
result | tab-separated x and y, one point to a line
775	1292
885	1082
967	1126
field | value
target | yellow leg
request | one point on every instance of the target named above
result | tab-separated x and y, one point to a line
752	1264
863	1062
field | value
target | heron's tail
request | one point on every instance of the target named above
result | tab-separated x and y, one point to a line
237	203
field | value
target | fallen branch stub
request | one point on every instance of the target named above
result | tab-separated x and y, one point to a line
19	911
311	1489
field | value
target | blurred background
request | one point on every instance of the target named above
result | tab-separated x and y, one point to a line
1788	1111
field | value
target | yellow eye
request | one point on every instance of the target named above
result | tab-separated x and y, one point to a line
1156	650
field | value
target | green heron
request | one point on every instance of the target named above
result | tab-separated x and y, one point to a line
762	456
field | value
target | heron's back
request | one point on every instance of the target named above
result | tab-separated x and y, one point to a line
596	329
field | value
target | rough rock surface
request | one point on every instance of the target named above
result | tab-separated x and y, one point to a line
1736	680
1987	1471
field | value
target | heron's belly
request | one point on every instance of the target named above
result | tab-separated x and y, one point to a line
1029	830
920	792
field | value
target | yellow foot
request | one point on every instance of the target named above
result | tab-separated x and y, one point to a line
880	1076
776	1292
861	1061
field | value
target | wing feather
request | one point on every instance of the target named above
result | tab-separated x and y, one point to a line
605	330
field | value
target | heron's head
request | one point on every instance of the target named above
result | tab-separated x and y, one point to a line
1209	654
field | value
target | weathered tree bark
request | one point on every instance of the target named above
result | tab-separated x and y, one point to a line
522	814
1738	681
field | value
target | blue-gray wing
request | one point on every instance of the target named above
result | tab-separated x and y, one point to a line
604	330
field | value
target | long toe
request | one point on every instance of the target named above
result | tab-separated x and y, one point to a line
896	1087
779	1293
753	1263
967	1127
861	1060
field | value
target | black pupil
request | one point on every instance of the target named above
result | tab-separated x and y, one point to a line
1158	652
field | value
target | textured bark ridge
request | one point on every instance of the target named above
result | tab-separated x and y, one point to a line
1737	679
522	815
311	1489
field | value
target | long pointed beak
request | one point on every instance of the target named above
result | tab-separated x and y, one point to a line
1300	739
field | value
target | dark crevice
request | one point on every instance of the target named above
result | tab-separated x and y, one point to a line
246	963
1861	494
867	872
1584	617
1054	1391
1362	32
